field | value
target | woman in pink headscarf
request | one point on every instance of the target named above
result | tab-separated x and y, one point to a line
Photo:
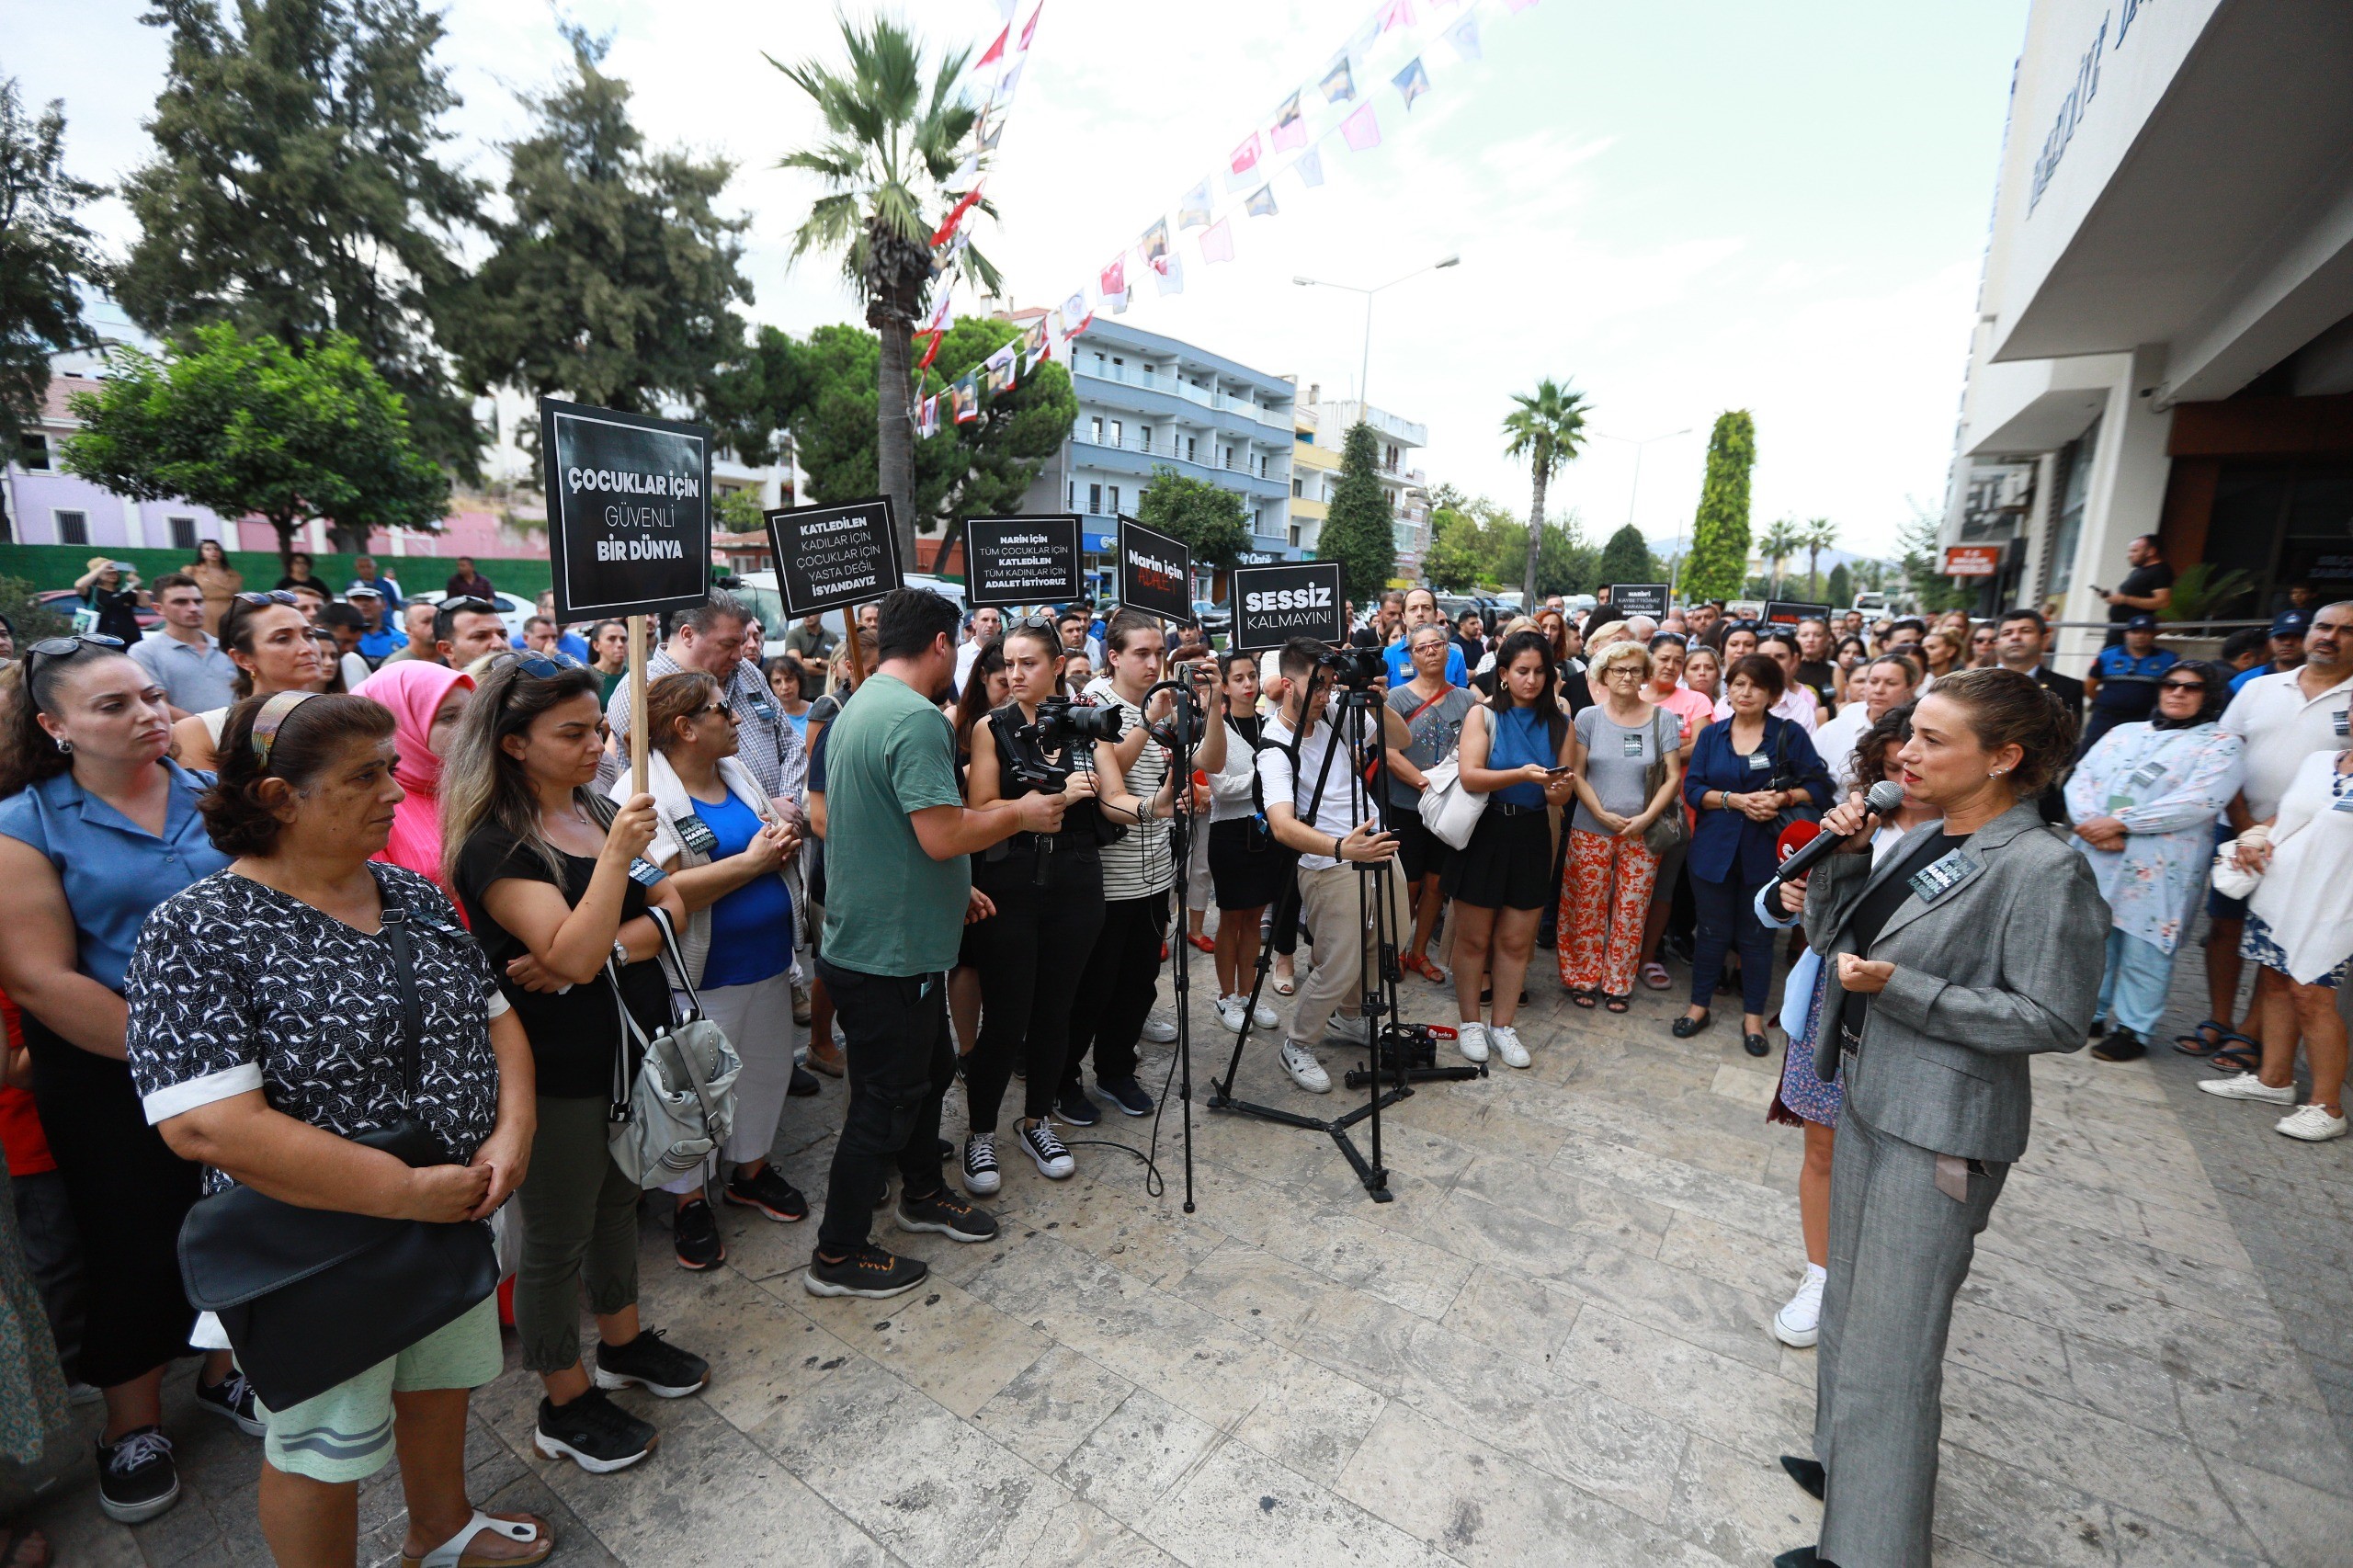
426	701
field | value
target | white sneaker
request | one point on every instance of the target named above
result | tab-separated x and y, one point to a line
1304	1070
1798	1323
1230	1011
1159	1030
2247	1087
1505	1039
1356	1031
2313	1124
1471	1040
1265	1017
981	1178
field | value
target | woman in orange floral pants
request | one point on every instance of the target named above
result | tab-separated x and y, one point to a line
1606	891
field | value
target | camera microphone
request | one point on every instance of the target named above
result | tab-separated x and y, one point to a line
1886	796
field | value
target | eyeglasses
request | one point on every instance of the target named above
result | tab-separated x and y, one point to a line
2181	686
544	666
713	707
466	603
262	598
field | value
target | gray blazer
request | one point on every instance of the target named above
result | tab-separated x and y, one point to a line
2006	963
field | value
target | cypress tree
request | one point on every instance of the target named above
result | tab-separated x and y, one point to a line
1357	532
1717	567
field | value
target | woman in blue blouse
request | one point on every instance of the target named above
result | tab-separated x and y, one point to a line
1745	771
98	827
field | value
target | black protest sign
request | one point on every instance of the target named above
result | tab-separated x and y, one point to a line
1155	572
1785	612
1637	599
629	511
1273	603
827	557
1021	560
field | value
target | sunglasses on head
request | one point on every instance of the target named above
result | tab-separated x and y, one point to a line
261	598
66	647
468	602
542	666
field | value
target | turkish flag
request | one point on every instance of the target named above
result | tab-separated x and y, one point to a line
996	49
1114	280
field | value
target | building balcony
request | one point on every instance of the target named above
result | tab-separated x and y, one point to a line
1130	456
1132	389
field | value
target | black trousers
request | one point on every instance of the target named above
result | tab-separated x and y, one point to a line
129	1193
1728	920
1115	993
1031	954
901	1060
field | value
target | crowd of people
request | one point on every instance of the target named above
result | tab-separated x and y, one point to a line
961	861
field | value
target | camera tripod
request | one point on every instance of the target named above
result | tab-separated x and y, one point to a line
1402	1054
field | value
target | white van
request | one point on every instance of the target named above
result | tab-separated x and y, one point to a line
758	589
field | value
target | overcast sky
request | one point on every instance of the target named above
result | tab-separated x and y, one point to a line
1682	207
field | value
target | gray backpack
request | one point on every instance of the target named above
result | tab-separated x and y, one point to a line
673	1118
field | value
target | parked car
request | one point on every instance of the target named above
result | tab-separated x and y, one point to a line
62	602
1215	617
513	608
759	590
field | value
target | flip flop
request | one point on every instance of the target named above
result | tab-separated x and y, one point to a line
452	1553
1654	975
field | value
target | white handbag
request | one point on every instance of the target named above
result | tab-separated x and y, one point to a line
2229	878
674	1116
1450	810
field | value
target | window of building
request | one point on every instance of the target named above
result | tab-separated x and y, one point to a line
1115	500
1294	535
33	453
1116	434
1143	437
1099	428
1298	486
1098	364
183	533
2067	524
1073	502
1095	499
73	528
1190	454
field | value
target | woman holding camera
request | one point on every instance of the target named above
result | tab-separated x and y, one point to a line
1047	888
1516	749
264	1002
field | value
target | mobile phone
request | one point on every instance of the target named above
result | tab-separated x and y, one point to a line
1558	772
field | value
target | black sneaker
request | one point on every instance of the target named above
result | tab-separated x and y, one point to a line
946	1214
651	1363
981	1177
593	1433
232	1399
1075	1107
769	1193
137	1479
869	1272
1127	1094
2122	1045
803	1084
1039	1142
695	1231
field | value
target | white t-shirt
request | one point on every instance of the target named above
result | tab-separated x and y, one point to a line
1334	812
2282	727
1835	742
1797	704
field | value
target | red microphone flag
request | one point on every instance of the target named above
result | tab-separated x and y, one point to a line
1795	837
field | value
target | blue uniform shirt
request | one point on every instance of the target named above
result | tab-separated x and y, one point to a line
2129	685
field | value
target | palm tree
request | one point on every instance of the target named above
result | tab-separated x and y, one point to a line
1816	535
1781	541
1547	427
896	132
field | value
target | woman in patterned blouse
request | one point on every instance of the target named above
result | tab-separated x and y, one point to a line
265	1034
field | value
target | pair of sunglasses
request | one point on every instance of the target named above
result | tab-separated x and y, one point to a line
263	598
466	603
66	647
541	666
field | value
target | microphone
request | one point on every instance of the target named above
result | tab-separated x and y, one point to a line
1886	796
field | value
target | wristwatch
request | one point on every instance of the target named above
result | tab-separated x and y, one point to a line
620	954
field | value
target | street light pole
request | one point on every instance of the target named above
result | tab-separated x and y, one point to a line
1635	493
1364	363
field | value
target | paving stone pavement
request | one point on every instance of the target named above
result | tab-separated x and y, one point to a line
1550	1348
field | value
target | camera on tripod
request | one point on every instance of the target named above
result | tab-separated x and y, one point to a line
1358	666
1062	723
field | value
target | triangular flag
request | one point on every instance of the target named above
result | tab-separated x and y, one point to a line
1464	36
1155	245
1261	203
938	319
1030	31
1239	168
1396	14
1411	81
1217	242
1193	211
967	173
967	393
1033	337
955	215
1114	281
1171	274
1007	86
996	49
1076	315
991	131
932	352
1002	360
1339	83
1290	130
1309	167
1360	130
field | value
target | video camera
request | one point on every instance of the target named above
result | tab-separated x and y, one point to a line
1359	664
1062	723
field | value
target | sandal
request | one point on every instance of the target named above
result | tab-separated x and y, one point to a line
1618	1003
1584	999
1285	984
1424	966
2248	1058
452	1553
1654	976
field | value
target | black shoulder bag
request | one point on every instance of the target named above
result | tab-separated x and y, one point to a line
312	1297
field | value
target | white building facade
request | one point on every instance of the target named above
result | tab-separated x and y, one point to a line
1407	487
2164	334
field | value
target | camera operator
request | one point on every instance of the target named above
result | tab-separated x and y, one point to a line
1047	888
1332	844
1115	995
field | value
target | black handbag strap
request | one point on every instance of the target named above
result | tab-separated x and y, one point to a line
396	931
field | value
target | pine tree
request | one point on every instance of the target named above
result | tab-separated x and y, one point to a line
1841	590
1718	565
44	252
1627	558
1357	533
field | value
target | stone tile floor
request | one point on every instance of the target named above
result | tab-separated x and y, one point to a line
1552	1347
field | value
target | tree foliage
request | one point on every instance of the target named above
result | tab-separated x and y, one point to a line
1457	557
1718	564
1781	541
1840	590
984	467
44	253
614	280
298	189
1626	558
247	425
1357	531
1547	427
1931	590
1209	518
1479	543
1814	536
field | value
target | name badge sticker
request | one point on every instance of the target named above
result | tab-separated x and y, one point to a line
644	872
1631	745
2343	803
761	705
2343	723
1932	882
1759	762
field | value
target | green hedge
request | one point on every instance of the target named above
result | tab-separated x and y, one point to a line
47	566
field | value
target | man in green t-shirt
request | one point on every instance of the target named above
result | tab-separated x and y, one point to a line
899	892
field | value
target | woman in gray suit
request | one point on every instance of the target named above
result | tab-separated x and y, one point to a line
1975	942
